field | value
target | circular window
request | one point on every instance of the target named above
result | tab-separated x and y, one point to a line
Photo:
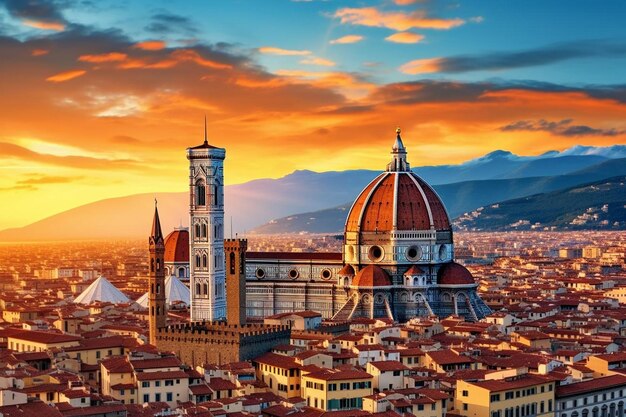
443	253
326	274
376	253
260	273
293	273
413	253
379	299
366	299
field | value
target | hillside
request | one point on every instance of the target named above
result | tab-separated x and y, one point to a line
597	205
257	202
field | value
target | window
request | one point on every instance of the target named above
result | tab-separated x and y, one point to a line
157	384
97	354
146	398
465	393
464	407
420	407
169	397
157	397
495	397
145	384
169	382
200	193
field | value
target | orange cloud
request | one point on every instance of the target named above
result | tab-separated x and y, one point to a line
400	21
176	57
421	66
347	39
405	37
66	76
404	2
39	52
150	45
108	57
318	61
270	50
56	26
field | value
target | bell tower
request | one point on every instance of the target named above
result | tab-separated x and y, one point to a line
157	309
207	282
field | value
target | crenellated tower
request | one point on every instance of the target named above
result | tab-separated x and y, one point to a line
157	309
206	231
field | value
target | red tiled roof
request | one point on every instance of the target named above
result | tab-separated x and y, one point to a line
305	256
34	409
591	385
43	337
504	385
157	375
414	270
371	276
386	366
280	361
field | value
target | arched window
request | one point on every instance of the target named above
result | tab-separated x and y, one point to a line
232	263
181	272
346	282
152	288
197	261
158	264
200	193
198	231
158	310
206	289
216	191
158	289
415	281
204	261
197	288
203	234
152	265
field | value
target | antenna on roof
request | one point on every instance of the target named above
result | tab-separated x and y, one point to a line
205	137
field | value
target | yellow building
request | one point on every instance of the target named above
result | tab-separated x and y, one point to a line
332	389
523	395
34	341
281	373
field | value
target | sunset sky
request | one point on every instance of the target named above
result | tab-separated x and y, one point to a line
99	99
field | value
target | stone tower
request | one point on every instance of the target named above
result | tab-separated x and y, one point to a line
236	280
157	309
206	226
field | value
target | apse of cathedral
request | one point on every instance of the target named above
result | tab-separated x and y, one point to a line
397	260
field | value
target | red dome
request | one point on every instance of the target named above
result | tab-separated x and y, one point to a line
397	201
177	246
454	274
371	276
346	271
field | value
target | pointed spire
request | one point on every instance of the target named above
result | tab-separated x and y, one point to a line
157	234
205	135
398	152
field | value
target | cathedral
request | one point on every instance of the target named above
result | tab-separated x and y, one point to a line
397	260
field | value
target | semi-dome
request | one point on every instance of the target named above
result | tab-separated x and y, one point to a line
452	273
177	246
371	276
397	199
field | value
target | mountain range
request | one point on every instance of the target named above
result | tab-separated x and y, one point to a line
497	176
596	205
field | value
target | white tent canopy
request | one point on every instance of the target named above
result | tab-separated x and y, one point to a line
175	291
101	290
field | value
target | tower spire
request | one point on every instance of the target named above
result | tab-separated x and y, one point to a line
205	135
157	234
398	153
